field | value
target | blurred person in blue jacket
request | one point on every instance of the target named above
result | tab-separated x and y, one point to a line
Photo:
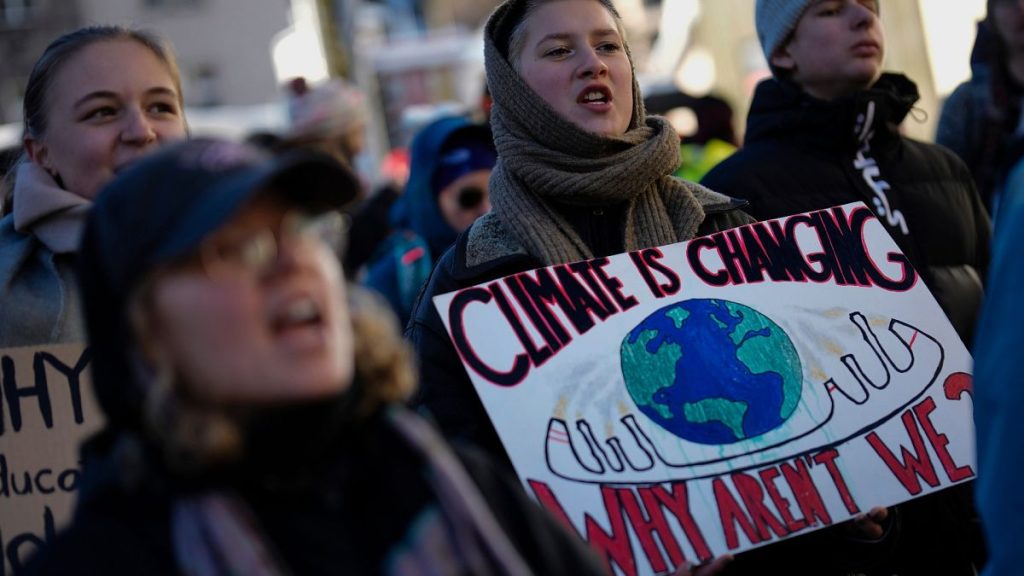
998	395
451	162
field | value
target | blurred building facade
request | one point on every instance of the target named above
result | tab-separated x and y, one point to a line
223	46
412	55
26	27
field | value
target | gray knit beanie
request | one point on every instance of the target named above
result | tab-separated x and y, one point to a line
775	21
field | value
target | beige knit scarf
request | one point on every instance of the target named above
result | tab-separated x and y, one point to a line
544	158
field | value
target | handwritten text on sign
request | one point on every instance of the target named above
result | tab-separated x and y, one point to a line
723	393
46	409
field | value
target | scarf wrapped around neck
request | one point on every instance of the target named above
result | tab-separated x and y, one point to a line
544	158
216	533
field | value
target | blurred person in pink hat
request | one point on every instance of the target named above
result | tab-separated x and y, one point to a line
329	117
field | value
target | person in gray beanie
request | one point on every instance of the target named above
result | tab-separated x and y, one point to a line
831	110
775	22
824	131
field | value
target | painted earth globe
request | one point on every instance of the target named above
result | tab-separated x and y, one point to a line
712	371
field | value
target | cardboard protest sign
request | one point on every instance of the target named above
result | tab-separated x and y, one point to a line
725	393
46	410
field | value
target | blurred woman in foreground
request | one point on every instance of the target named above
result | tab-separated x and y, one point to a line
253	400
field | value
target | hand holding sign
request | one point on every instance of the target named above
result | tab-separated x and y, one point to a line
870	526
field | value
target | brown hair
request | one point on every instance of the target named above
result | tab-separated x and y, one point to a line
385	366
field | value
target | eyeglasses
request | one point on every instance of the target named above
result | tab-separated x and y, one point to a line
254	253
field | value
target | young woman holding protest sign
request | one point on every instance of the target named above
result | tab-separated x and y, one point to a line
253	399
582	172
96	100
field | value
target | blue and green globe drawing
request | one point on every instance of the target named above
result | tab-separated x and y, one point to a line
712	371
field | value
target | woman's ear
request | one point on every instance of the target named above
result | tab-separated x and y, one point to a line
39	153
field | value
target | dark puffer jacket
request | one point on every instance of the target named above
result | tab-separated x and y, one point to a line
486	252
354	508
805	154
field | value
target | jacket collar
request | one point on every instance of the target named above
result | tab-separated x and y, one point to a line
45	210
782	110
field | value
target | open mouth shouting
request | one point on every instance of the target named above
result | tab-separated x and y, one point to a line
299	323
596	98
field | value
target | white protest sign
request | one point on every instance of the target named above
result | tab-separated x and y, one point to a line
46	409
724	393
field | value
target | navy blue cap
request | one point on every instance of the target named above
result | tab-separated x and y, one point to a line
160	209
466	150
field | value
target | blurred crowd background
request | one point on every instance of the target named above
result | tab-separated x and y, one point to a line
416	59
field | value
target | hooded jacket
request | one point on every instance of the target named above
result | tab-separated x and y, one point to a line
39	302
981	117
805	154
401	265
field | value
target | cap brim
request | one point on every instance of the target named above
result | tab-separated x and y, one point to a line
312	181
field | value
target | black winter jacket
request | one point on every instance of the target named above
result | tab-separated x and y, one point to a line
804	154
351	510
485	252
